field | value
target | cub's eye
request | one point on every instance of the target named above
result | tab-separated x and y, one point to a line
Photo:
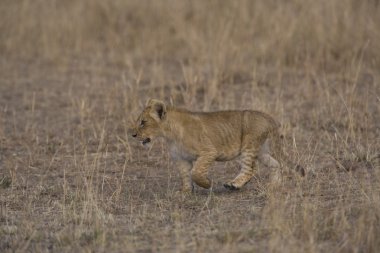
142	123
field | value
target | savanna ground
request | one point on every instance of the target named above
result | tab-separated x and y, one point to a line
75	74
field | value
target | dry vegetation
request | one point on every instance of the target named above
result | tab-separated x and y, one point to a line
73	74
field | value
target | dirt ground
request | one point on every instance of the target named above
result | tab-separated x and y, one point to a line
72	180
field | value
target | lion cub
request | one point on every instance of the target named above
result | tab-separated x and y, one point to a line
197	139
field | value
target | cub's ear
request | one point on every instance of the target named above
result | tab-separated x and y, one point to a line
158	108
149	102
152	102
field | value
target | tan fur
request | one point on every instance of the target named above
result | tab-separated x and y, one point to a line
197	139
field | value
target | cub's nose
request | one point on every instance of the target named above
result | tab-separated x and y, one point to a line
132	132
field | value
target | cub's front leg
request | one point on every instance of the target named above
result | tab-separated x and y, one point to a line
200	169
184	169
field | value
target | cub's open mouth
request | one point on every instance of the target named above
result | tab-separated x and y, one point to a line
145	141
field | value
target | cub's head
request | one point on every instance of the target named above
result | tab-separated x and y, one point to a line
148	124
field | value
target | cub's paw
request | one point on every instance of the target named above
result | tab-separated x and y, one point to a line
231	186
201	181
182	193
188	189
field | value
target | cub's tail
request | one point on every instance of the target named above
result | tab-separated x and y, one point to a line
277	151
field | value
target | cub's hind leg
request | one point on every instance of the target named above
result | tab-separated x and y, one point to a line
248	163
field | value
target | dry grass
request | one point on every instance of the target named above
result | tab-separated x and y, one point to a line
73	74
